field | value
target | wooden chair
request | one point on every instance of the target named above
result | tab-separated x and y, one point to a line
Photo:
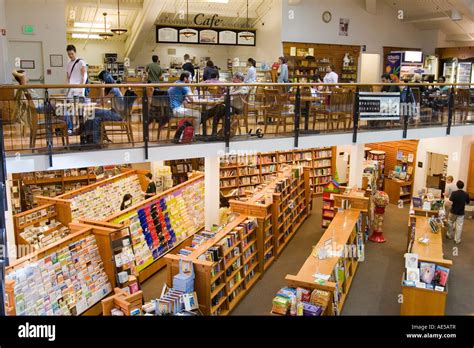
160	112
119	127
277	109
38	126
462	103
339	109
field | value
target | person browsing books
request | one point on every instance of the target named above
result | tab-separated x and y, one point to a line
459	200
151	188
126	201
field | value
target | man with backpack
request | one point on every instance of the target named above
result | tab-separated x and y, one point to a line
76	73
179	95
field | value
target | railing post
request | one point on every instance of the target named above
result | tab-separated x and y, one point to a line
355	116
227	120
450	110
407	114
49	127
3	232
297	115
146	128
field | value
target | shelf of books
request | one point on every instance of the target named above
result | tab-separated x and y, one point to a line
181	168
424	284
291	205
67	277
328	202
225	264
241	174
379	156
163	223
326	269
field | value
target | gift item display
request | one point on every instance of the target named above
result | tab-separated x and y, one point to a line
300	302
159	225
124	260
123	303
173	302
424	284
327	268
379	156
380	201
105	200
67	281
328	202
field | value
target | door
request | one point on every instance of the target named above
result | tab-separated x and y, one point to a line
30	56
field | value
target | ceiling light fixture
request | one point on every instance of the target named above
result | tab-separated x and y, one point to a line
119	31
187	32
105	35
248	35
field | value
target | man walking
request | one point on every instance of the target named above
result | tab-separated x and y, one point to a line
459	199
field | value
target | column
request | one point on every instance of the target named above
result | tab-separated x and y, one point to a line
211	191
356	165
4	76
9	225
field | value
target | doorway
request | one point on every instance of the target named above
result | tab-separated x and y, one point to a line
30	56
436	171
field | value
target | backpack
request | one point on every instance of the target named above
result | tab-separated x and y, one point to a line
184	133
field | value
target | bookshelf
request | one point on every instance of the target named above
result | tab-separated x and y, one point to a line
335	273
302	69
225	265
422	299
379	156
26	279
181	168
241	174
328	202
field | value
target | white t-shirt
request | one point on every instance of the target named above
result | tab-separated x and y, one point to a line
75	76
331	77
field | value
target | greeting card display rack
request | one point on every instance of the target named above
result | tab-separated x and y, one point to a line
334	272
379	156
99	275
417	300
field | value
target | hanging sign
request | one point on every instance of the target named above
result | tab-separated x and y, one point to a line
375	106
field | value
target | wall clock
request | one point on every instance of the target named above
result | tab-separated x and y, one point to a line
327	16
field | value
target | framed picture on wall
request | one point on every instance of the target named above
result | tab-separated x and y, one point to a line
188	36
208	36
27	64
56	60
246	38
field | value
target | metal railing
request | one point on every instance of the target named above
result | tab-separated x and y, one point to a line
37	119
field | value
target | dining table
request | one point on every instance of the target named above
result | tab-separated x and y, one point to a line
205	103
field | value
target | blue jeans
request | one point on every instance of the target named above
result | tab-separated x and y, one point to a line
94	126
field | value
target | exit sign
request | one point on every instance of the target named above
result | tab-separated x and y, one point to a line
29	29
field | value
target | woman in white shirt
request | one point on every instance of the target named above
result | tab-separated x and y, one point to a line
331	76
251	76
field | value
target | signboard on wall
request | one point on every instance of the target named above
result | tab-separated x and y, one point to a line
375	106
392	65
205	36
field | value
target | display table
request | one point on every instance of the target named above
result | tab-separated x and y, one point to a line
419	301
345	229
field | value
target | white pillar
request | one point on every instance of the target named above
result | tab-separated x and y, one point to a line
356	167
211	191
4	76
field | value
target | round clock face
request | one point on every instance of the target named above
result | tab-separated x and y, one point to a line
327	16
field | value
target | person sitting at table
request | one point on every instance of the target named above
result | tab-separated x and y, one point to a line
444	89
120	106
21	97
179	95
216	92
238	94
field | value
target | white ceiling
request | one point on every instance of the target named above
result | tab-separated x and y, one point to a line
436	15
90	11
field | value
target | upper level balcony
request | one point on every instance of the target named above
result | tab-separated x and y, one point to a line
43	127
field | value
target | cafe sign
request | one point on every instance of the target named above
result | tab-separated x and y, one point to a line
374	106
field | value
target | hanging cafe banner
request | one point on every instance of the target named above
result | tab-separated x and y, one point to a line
205	30
374	106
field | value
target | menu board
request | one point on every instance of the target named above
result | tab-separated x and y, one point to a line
166	34
246	38
208	37
185	35
227	37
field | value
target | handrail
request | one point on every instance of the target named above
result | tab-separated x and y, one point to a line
223	84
